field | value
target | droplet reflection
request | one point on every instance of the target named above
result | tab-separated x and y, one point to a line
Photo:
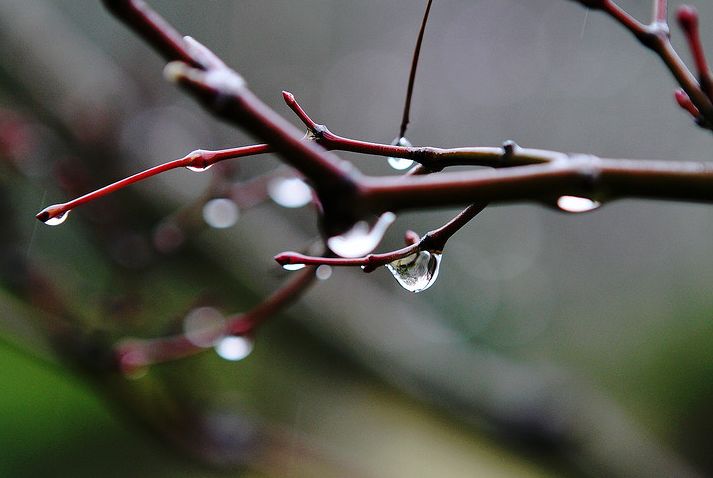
400	164
416	272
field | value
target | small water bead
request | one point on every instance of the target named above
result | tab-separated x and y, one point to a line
221	213
199	169
234	348
58	219
576	204
416	272
203	326
361	239
197	154
400	164
293	267
289	192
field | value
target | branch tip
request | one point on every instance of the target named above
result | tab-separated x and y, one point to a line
684	101
43	215
284	258
687	17
288	97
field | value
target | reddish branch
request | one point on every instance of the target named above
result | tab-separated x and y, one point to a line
433	159
412	72
656	37
345	196
433	241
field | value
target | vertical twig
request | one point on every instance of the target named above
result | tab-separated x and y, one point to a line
412	74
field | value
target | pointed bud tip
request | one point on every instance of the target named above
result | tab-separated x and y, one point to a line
289	97
283	258
43	215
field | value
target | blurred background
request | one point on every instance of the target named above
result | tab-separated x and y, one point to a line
551	344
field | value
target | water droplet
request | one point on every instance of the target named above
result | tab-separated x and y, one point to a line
293	267
289	192
220	213
323	272
199	169
234	348
58	219
576	204
400	164
416	272
360	239
204	326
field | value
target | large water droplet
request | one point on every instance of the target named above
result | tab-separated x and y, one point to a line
293	267
400	164
289	192
220	213
58	219
576	204
204	326
416	272
234	348
360	239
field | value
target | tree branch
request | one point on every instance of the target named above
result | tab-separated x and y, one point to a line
135	354
656	37
432	241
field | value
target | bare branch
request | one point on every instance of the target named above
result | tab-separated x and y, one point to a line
134	354
412	72
433	241
655	36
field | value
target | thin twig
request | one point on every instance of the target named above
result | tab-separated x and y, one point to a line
133	354
432	241
412	72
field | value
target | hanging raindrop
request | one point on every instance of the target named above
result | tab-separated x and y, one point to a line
576	204
416	272
57	220
293	267
360	239
289	192
199	169
400	164
234	348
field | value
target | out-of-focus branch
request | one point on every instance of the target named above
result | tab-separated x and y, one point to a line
656	37
134	354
